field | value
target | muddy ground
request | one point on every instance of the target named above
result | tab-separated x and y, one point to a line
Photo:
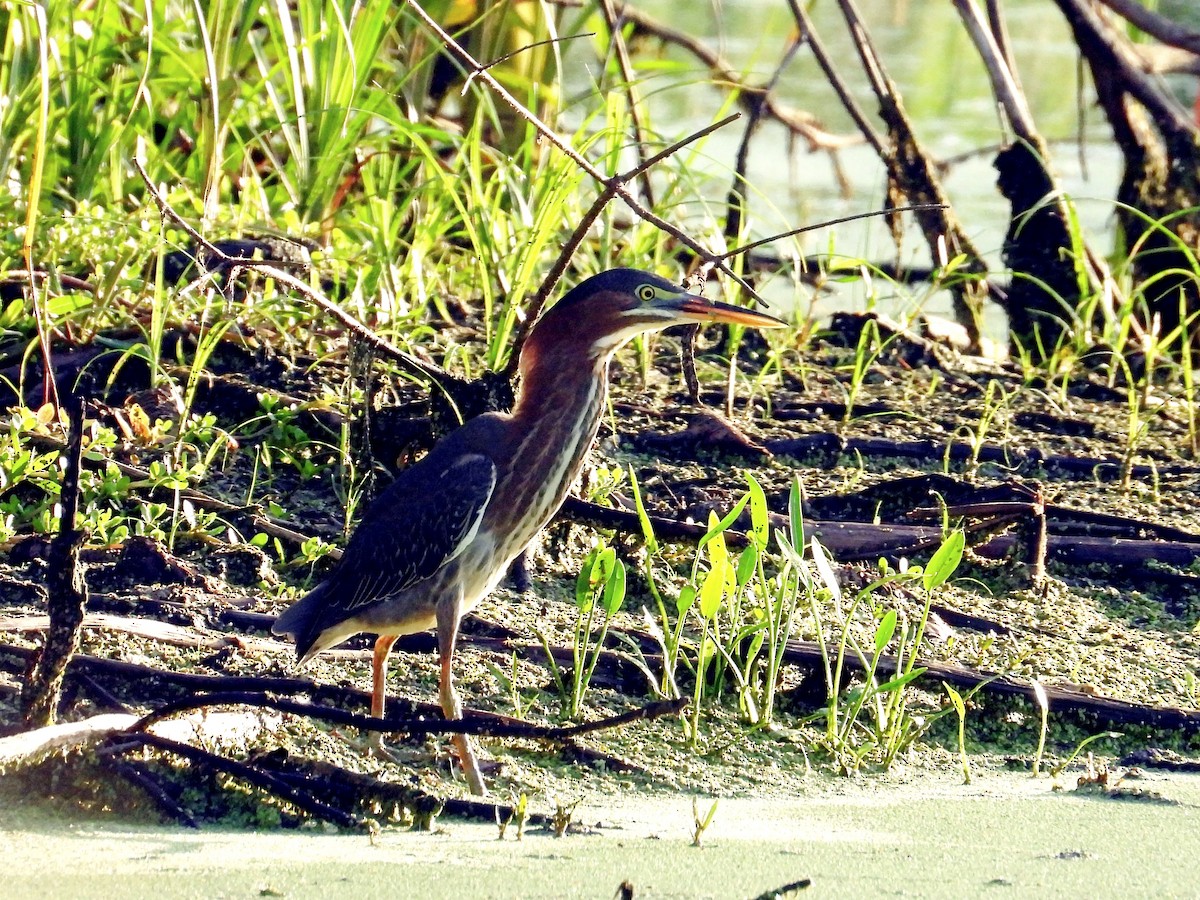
1110	628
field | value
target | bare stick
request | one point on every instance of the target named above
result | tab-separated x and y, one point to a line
421	726
259	778
996	61
568	250
829	223
635	113
804	23
797	122
66	589
999	28
233	264
1167	113
621	190
1159	26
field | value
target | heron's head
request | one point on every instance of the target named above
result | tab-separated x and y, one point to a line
608	309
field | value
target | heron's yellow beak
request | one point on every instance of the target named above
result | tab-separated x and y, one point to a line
694	308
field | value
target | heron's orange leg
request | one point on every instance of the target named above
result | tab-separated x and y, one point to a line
383	646
447	630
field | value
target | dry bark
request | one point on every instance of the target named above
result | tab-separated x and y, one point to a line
1159	194
66	591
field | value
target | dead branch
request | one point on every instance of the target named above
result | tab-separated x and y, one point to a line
194	638
66	588
622	191
252	775
801	124
414	726
38	277
806	28
144	780
29	747
1156	25
1062	699
1039	242
913	175
1159	193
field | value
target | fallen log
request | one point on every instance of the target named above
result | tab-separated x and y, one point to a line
1109	710
27	748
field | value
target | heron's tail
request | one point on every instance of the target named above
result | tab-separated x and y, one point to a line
302	622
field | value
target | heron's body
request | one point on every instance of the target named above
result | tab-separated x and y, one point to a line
442	536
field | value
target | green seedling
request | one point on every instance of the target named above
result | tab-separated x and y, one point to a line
560	821
1079	748
599	589
960	709
700	825
1043	704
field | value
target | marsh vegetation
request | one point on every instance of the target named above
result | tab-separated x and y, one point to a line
258	257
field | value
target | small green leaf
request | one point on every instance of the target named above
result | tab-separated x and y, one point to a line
825	568
687	596
614	589
643	518
956	699
1039	695
712	591
760	528
944	561
796	514
718	553
66	304
13	313
901	680
723	525
606	561
789	551
583	584
747	563
887	627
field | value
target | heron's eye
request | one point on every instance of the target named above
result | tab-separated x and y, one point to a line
646	293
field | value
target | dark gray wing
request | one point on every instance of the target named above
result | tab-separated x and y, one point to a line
415	527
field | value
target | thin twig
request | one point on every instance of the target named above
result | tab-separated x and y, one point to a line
617	42
825	61
829	223
389	724
621	190
233	264
611	190
1156	25
253	775
139	776
530	46
797	122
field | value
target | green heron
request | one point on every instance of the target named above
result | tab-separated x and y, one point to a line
442	535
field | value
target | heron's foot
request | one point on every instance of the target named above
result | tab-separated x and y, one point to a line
377	748
470	764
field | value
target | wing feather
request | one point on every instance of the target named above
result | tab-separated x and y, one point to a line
418	525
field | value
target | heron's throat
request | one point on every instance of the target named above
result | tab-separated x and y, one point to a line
558	410
560	401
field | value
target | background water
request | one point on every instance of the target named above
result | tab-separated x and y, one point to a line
946	93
